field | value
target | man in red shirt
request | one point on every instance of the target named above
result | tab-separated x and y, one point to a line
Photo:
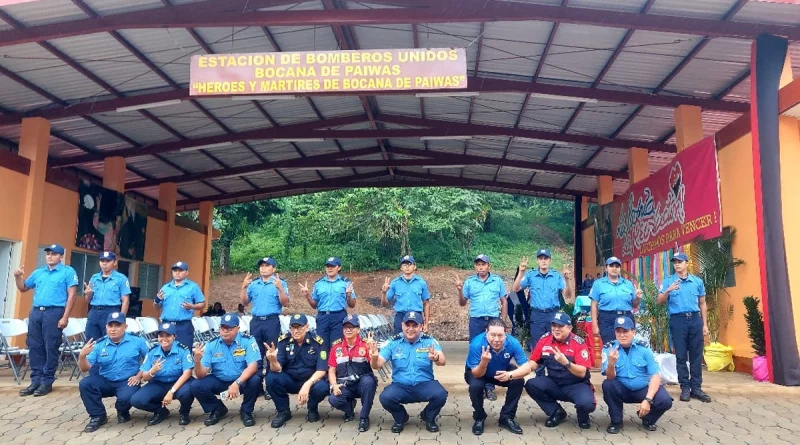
567	360
350	374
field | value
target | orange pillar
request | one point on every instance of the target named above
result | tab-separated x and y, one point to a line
688	125
207	219
584	208
638	164
605	189
167	201
114	173
34	143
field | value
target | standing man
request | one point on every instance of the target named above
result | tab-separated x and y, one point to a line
350	374
298	365
412	356
489	361
409	293
544	287
331	297
612	296
54	286
486	294
116	357
685	295
228	365
566	357
106	292
632	376
178	300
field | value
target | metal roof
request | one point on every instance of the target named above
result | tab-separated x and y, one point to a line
506	139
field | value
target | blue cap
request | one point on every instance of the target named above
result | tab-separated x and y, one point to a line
413	316
680	256
108	256
352	319
115	317
268	260
298	319
613	260
543	252
562	319
333	261
408	259
229	320
482	257
624	322
167	328
180	265
55	248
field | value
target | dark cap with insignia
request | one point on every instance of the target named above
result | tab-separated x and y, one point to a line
613	260
167	328
180	265
413	316
351	319
116	317
407	259
298	320
108	256
482	257
268	260
624	323
543	253
55	248
333	261
229	320
680	256
561	318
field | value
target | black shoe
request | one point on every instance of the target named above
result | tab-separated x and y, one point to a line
29	390
312	416
430	426
649	426
158	416
614	428
398	427
363	425
267	397
185	419
510	424
281	419
95	423
696	393
215	416
123	417
686	394
557	417
349	417
247	418
490	395
585	425
477	427
44	390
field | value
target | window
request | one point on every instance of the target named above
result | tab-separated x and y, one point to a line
149	280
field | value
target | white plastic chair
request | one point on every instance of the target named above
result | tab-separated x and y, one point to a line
312	322
284	323
244	323
202	332
213	323
73	337
149	327
10	328
133	327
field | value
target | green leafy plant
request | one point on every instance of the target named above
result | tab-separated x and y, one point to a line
522	330
755	324
654	318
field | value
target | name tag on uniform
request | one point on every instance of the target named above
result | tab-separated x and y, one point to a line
218	354
240	352
422	349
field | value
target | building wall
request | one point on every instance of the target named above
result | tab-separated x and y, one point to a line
790	199
12	200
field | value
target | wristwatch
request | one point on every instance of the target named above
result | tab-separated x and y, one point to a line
649	400
239	383
172	390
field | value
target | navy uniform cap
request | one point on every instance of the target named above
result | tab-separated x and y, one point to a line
352	319
407	259
613	260
298	319
268	260
167	328
482	257
55	248
413	316
333	261
561	318
680	256
180	265
108	256
543	252
229	320
116	317
624	323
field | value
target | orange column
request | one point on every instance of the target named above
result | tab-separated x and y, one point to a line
34	143
605	189
207	219
688	125
167	201
638	164
584	208
114	173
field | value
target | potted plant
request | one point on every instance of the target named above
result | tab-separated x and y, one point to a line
755	329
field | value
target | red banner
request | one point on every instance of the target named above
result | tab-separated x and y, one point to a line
675	205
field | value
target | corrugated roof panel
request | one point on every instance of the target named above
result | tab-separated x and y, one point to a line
447	108
406	143
235	40
198	189
235	155
43	13
297	175
713	121
610	159
274	151
27	57
136	127
742	91
231	185
286	112
354	144
265	178
574	155
500	109
529	150
13	96
192	161
706	9
579	52
238	116
650	124
63	82
583	183
395	104
384	36
620	186
336	106
764	12
513	47
455	35
550	179
712	70
478	172
513	176
547	114
304	38
152	166
448	145
611	5
186	119
169	49
108	7
657	160
94	137
601	118
491	147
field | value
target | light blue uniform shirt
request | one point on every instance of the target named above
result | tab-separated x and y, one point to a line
228	362
109	291
408	295
512	349
410	362
610	296
50	286
544	289
176	361
264	296
118	361
188	292
484	296
635	367
331	295
687	297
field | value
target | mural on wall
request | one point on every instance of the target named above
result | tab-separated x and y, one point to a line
108	221
133	230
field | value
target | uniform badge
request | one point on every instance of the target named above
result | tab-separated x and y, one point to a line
227	318
310	350
362	351
239	352
339	353
620	320
585	354
165	326
296	316
330	259
323	355
115	315
506	355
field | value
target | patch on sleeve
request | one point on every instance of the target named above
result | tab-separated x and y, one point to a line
323	355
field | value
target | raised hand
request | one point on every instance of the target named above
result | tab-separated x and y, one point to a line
432	354
349	290
459	284
247	279
304	289
159	297
87	288
20	272
639	292
87	348
157	365
486	354
566	272
272	352
523	265
198	351
613	355
559	356
385	287
674	286
373	347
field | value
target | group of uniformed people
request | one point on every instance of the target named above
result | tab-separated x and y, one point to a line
335	361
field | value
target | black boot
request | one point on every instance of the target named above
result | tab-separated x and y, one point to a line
477	427
281	419
247	419
159	416
508	423
363	425
557	417
44	390
123	416
29	390
185	419
216	415
95	423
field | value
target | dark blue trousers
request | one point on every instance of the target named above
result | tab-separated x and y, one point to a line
540	323
281	384
546	393
149	396
265	330
96	321
605	319
364	390
184	331
43	341
477	387
396	395
205	390
95	387
398	322
615	395
687	337
329	326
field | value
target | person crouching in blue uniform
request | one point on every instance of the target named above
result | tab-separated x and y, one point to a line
412	355
117	357
168	370
632	376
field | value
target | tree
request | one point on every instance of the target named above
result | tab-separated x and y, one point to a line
234	221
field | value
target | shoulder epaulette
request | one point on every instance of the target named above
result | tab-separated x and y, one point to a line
101	339
346	279
318	339
321	278
397	336
578	339
336	342
245	335
546	334
425	335
181	345
153	347
608	345
642	343
283	337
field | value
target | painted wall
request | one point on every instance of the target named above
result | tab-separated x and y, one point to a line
12	201
790	183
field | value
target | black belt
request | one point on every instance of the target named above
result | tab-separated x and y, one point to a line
330	312
685	314
616	312
176	321
553	309
94	306
264	317
487	318
47	308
